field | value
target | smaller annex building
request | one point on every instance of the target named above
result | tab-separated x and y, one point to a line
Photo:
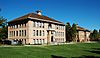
82	34
35	28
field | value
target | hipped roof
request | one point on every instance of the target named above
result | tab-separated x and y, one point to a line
33	15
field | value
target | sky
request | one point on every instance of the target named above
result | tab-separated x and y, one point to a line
86	13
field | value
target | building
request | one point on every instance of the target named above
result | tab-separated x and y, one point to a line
82	34
35	28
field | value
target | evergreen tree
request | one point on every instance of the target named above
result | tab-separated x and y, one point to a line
95	35
68	34
73	32
3	28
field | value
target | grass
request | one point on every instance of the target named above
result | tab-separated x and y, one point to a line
69	51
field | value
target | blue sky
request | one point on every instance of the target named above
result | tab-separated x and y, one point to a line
86	13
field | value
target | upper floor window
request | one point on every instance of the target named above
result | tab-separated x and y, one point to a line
25	32
37	33
33	32
19	32
22	32
33	23
40	33
57	26
43	33
16	33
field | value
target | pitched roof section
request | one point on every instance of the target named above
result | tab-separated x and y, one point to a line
33	15
81	29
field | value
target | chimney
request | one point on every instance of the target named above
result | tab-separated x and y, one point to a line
39	12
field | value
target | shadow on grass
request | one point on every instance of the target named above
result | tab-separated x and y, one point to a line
97	52
54	56
94	50
84	56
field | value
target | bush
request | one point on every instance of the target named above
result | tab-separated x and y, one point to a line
8	42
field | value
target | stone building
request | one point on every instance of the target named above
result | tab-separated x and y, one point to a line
82	34
35	28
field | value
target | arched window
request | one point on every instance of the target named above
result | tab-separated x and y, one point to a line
40	33
33	41
19	32
37	41
37	33
40	41
33	32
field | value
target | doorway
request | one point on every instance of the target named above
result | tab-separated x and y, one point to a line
51	38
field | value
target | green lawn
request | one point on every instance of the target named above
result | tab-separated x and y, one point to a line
69	51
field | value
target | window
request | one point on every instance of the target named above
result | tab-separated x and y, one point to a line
16	26
55	33
19	32
13	26
37	32
40	24
43	33
43	41
37	41
22	32
10	34
25	24
63	33
16	33
25	32
33	32
33	24
51	32
57	27
63	27
43	25
20	26
34	41
40	33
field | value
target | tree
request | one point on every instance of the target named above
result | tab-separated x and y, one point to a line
68	34
95	35
73	32
3	28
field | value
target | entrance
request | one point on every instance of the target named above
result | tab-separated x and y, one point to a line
51	38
